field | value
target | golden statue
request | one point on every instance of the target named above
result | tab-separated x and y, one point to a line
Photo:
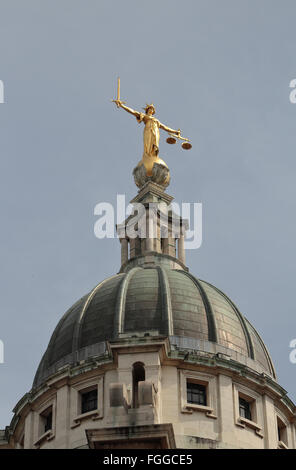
151	133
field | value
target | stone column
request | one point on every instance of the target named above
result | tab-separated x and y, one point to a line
166	245
171	245
225	410
143	246
137	246
124	250
132	243
181	249
62	418
270	425
157	240
29	431
149	232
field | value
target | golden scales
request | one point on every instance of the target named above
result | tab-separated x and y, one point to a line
172	139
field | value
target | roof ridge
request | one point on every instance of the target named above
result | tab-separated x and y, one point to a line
119	313
241	318
166	300
78	324
212	327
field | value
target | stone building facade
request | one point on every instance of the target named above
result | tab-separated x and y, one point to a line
154	357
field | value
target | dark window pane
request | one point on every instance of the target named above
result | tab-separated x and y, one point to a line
89	401
196	394
245	409
48	422
138	376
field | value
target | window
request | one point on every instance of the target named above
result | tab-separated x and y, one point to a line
282	432
246	406
89	401
46	420
279	433
245	409
196	394
138	376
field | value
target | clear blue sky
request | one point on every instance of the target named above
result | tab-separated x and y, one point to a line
219	70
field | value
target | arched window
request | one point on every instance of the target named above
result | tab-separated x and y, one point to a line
138	376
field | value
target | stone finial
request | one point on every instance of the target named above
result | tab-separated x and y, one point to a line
160	175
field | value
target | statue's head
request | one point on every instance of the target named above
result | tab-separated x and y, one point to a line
150	109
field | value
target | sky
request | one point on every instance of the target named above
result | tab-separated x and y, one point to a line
217	69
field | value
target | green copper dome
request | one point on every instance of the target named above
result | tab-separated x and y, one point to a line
159	301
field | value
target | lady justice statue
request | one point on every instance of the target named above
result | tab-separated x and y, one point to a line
151	167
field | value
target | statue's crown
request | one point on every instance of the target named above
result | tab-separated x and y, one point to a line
151	105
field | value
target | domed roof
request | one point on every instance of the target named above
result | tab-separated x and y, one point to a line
154	300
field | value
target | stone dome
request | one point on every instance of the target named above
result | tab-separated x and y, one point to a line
154	300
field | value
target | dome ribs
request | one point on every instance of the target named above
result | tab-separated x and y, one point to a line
167	313
249	342
212	329
50	349
78	325
159	300
119	315
264	349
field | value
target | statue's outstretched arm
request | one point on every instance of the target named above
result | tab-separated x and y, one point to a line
168	129
129	110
